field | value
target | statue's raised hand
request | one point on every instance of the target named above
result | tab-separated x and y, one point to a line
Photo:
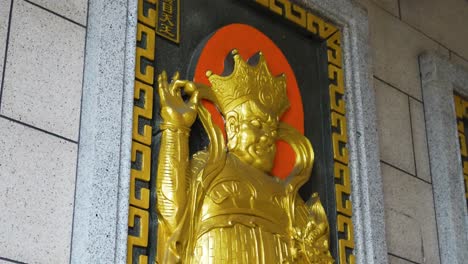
174	110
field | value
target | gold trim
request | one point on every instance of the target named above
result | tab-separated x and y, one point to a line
165	28
139	200
461	110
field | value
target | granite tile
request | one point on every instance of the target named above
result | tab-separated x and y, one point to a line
395	47
388	5
459	60
409	207
44	71
75	10
396	260
445	21
404	235
37	173
393	119
4	19
421	151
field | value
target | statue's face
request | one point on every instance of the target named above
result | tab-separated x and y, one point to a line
252	135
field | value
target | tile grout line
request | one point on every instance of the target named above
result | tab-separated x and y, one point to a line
79	134
412	138
38	129
6	53
398	89
12	261
55	13
418	30
402	170
403	258
399	10
430	172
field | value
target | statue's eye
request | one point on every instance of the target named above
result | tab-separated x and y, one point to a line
256	123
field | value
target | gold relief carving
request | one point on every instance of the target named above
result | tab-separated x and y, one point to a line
319	27
460	126
145	74
145	112
466	186
461	110
343	190
339	139
142	174
337	102
340	151
150	17
142	239
223	205
458	106
277	9
300	16
463	149
334	49
345	225
288	7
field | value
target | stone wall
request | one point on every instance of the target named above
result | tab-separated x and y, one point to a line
400	30
42	46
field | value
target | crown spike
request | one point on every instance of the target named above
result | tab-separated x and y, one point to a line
250	83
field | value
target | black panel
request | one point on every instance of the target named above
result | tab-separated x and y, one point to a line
307	56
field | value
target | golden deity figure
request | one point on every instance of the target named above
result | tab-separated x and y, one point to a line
222	205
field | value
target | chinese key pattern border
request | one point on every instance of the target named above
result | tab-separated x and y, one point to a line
138	214
461	110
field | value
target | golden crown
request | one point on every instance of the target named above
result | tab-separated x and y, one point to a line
250	83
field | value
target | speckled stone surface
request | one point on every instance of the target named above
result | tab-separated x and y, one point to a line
396	260
72	9
411	223
101	208
394	127
390	6
37	173
459	60
4	19
447	24
43	72
395	50
440	79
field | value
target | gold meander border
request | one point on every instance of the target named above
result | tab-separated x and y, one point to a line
139	215
141	140
332	35
461	110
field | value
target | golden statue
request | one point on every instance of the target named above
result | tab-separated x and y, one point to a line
222	205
